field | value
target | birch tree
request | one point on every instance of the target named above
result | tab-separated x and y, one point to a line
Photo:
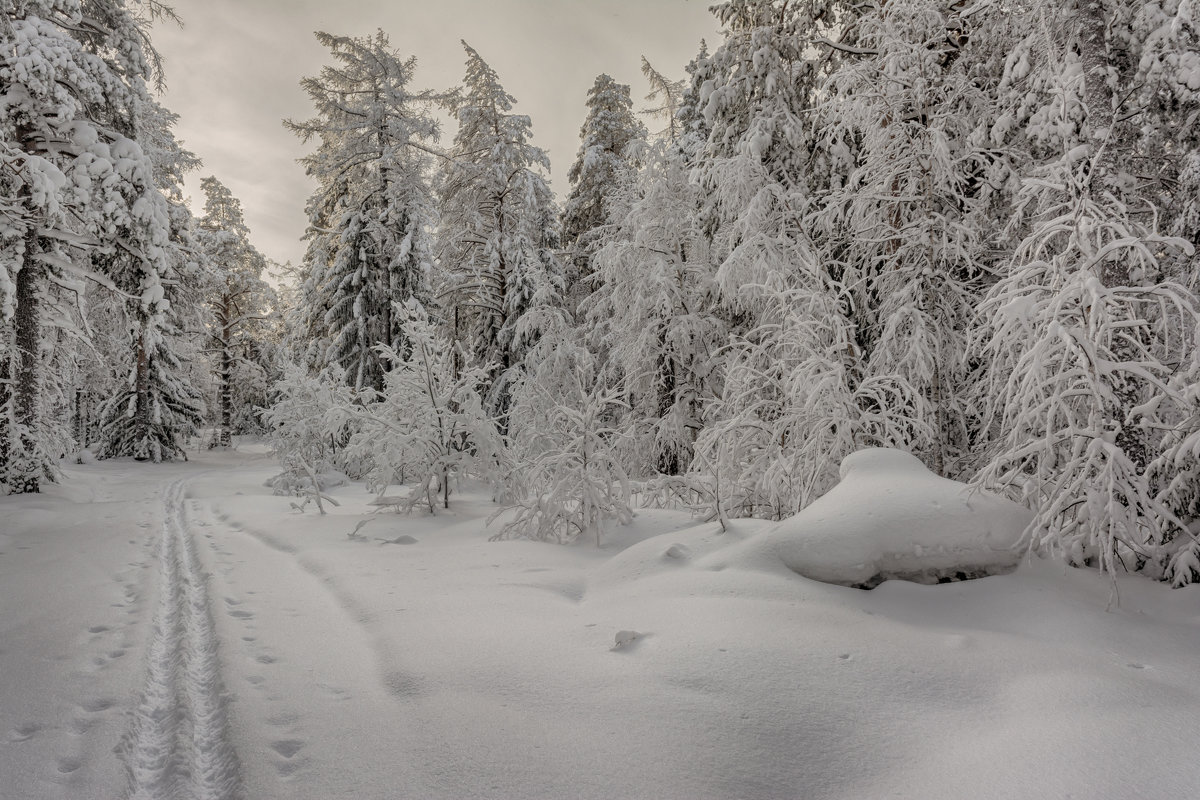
1087	341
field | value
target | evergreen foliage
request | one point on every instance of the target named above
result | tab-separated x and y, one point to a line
79	198
241	304
370	219
497	231
604	164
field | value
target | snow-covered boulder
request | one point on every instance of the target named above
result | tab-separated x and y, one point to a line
890	517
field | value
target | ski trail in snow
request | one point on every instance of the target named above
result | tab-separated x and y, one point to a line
179	745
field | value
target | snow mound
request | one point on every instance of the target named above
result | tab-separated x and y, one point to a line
891	518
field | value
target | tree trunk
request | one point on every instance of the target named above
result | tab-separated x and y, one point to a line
223	436
1103	183
1098	97
141	413
27	392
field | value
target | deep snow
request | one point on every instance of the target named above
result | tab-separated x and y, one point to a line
890	517
447	666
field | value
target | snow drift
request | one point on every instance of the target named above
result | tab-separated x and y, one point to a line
891	518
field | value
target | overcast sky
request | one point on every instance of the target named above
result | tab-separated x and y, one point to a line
233	73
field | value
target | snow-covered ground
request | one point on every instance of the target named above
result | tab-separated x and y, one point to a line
176	631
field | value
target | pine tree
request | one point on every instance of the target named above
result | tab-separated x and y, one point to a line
370	218
497	231
76	182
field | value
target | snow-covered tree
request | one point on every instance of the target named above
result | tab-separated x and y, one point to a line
241	301
602	166
902	222
794	399
369	234
497	230
652	314
568	476
428	424
155	405
78	195
667	95
299	423
1088	344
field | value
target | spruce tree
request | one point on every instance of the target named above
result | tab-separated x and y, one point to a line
76	183
497	231
603	165
370	218
240	300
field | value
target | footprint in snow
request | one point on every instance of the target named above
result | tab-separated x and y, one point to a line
335	692
401	684
287	747
241	614
98	629
98	705
625	640
68	765
24	732
678	552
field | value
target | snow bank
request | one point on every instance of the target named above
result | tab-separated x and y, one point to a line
891	518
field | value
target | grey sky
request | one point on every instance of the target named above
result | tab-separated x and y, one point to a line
233	73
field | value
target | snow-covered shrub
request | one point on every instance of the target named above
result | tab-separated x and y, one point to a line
1176	475
428	423
792	407
300	434
1079	376
568	473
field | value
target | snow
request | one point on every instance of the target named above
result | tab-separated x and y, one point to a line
666	664
890	517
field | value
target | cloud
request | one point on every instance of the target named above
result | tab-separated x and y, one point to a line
234	69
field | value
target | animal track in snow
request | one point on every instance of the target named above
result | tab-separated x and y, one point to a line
287	747
24	732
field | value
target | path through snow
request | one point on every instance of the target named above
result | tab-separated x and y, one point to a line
179	743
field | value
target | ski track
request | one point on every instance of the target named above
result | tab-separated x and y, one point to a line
179	747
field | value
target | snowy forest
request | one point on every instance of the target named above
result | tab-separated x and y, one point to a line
965	230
